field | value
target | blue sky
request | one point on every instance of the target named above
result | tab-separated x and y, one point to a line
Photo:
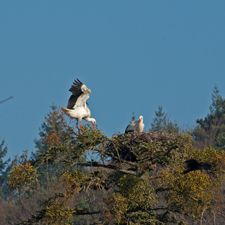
133	55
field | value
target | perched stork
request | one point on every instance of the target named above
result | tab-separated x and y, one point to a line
135	125
77	106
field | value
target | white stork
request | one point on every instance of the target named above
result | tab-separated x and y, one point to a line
135	125
77	106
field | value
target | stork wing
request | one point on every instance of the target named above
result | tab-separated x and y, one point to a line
76	87
131	126
76	90
81	100
80	95
72	101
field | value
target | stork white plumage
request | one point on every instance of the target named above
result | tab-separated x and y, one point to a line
135	125
77	106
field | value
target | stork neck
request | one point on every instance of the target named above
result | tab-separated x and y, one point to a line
88	119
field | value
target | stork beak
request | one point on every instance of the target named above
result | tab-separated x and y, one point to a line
139	122
94	126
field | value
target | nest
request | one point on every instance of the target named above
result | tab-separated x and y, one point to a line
162	136
130	146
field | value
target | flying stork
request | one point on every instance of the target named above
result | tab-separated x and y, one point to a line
77	106
135	125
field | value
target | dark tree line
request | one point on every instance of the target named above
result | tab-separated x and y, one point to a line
210	131
57	161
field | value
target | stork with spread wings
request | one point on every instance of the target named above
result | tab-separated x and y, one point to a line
77	106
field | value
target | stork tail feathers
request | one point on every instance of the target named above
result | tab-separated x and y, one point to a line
66	111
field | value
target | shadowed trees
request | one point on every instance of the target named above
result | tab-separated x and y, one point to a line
128	179
26	200
211	130
4	171
155	177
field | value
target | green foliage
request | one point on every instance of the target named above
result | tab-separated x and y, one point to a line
129	178
211	130
133	201
4	172
193	193
23	176
159	122
17	209
52	134
138	192
51	131
162	123
133	117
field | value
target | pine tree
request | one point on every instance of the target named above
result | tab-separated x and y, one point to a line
131	189
52	134
210	131
217	101
4	171
51	131
133	117
161	122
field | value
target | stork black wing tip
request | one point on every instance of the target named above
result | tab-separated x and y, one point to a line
76	85
77	82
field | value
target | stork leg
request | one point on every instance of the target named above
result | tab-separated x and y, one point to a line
77	125
81	126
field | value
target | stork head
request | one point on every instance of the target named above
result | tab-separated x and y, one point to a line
85	89
140	119
93	122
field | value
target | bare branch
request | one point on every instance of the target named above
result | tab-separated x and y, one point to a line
6	99
96	164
